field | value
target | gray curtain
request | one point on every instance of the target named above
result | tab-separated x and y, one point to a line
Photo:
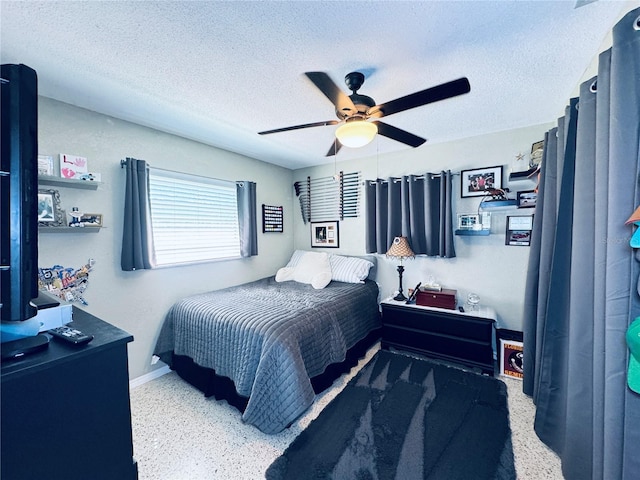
247	218
416	207
137	240
581	282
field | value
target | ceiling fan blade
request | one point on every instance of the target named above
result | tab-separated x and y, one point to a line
423	97
399	135
298	127
335	148
327	86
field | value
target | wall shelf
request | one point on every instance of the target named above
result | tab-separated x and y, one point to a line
524	175
68	229
498	203
68	182
477	233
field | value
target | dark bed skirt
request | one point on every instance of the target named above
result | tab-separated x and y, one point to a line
222	388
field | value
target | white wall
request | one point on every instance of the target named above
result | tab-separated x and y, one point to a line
484	265
137	301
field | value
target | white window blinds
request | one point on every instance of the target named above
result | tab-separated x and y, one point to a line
193	218
329	198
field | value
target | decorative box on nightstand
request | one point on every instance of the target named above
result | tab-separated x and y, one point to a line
442	299
467	338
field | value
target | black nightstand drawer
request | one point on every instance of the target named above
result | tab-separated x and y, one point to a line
445	323
439	345
455	336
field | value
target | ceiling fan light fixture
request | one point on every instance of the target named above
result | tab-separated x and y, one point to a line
356	133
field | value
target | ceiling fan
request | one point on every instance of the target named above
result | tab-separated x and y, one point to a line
356	111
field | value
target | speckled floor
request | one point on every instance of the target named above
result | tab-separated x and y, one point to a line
180	435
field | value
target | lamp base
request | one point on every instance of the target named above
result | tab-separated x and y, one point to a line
400	297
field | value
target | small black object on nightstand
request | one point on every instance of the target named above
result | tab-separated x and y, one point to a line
412	297
71	335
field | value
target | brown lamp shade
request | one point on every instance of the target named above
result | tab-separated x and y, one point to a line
400	249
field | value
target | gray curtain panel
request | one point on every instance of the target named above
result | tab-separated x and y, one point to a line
137	240
416	207
581	283
247	218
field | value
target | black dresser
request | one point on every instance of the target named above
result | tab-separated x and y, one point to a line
65	411
466	338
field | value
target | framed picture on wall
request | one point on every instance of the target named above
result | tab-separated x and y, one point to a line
272	218
325	235
519	228
477	182
527	199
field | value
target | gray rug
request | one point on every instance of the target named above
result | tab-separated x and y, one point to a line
404	418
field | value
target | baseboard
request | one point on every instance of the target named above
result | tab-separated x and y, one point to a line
147	377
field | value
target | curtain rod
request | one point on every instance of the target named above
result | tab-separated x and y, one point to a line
417	177
123	163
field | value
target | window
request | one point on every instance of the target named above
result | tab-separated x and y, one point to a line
193	218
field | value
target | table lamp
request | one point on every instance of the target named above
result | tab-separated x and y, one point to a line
400	249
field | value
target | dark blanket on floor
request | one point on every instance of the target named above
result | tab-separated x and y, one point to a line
406	418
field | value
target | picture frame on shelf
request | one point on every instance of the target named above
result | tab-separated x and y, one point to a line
72	166
526	199
50	213
474	221
537	150
325	234
91	220
45	165
479	181
519	229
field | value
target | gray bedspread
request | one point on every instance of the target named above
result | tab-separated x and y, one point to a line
270	338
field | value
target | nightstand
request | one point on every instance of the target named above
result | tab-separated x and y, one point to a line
467	338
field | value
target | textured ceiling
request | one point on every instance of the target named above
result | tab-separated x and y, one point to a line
219	72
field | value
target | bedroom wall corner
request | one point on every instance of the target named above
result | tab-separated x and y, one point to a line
483	265
138	301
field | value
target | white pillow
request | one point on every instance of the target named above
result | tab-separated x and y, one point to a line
310	268
295	258
285	274
349	269
314	269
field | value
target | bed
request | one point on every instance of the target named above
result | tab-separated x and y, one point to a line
270	345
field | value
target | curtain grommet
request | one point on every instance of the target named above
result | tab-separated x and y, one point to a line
636	24
593	88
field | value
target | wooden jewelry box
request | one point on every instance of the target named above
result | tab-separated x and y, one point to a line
442	299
